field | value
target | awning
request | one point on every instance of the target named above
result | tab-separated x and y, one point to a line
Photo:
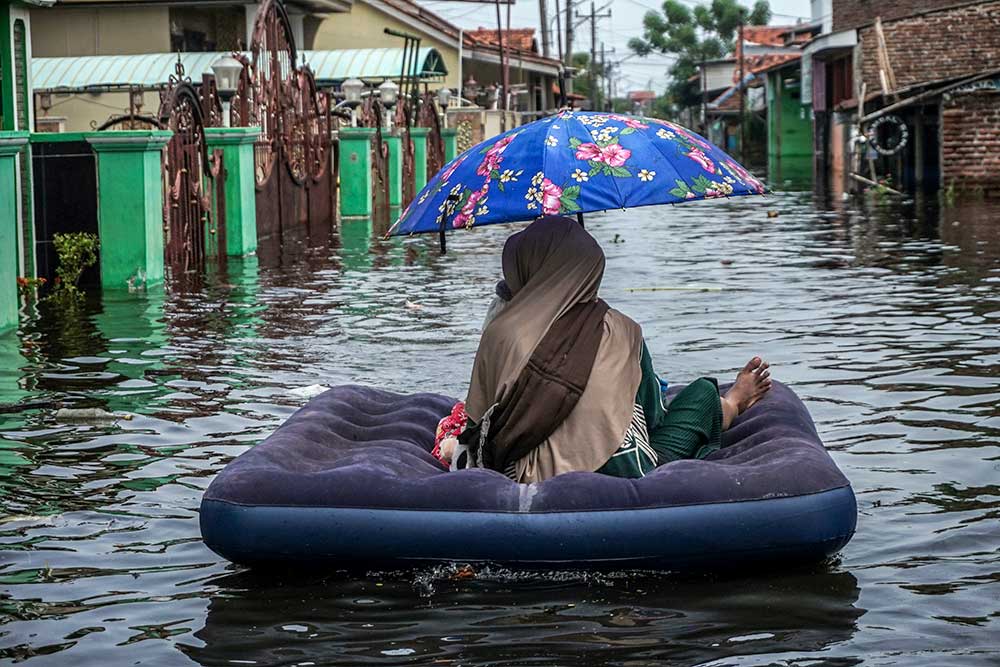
153	70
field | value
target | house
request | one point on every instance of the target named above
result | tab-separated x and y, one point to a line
641	101
468	55
897	97
139	40
740	80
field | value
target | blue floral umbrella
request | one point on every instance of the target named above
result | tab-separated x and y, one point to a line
574	162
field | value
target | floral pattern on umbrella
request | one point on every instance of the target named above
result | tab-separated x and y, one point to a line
578	162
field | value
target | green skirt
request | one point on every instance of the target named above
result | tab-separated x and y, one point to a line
690	427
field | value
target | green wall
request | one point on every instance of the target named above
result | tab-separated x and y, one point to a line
789	127
130	206
11	143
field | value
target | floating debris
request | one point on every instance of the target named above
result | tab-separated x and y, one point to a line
772	214
71	415
308	392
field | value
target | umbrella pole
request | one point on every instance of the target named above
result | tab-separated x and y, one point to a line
443	221
579	218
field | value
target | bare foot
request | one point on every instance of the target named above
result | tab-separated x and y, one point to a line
751	384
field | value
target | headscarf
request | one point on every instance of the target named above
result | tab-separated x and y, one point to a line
549	267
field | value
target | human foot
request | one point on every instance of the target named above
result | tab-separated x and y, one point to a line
751	384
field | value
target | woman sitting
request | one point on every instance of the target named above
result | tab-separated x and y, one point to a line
562	382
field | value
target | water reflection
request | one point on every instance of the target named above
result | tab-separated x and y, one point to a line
882	316
567	617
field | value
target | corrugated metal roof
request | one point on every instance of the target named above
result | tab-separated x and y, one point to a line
154	69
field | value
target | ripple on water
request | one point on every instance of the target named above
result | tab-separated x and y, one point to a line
884	320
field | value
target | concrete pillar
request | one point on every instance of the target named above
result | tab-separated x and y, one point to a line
419	136
130	205
11	144
356	172
450	137
237	144
394	142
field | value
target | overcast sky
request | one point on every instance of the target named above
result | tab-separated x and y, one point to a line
625	23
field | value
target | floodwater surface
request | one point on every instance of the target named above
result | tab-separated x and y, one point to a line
886	321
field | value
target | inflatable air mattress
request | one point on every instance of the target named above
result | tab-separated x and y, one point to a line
349	480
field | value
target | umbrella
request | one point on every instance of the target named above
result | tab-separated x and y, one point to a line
571	163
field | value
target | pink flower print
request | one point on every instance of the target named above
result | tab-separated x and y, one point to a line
614	155
489	163
588	152
551	194
712	192
689	195
634	123
702	159
465	214
492	160
446	174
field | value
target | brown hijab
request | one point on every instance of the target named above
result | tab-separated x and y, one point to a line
550	266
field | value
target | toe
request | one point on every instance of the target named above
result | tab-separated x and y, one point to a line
752	364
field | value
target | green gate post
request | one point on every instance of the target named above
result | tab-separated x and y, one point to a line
419	135
450	137
356	172
241	196
395	144
11	143
130	205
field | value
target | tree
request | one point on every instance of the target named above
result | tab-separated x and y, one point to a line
706	32
581	80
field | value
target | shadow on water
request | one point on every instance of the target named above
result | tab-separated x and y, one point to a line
555	618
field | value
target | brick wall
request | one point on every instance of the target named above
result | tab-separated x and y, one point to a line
855	13
938	45
970	142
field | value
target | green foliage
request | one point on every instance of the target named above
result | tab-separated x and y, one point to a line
77	251
706	32
581	80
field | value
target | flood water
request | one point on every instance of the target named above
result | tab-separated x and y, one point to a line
886	321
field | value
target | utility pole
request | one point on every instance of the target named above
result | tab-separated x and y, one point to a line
568	54
607	79
592	70
543	17
742	57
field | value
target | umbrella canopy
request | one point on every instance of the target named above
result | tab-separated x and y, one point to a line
573	162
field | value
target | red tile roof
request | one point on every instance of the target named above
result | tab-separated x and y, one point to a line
641	95
766	35
762	63
521	39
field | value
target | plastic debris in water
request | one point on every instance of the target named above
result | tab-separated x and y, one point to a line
772	214
308	392
89	415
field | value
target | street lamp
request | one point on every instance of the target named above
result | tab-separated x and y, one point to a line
352	89
444	98
227	72
388	92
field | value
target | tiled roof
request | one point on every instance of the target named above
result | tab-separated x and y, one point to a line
766	35
522	39
762	63
641	95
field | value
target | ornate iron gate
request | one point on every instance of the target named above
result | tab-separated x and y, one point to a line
403	116
293	157
371	115
191	231
428	117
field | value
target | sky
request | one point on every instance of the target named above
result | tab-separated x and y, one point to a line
625	22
